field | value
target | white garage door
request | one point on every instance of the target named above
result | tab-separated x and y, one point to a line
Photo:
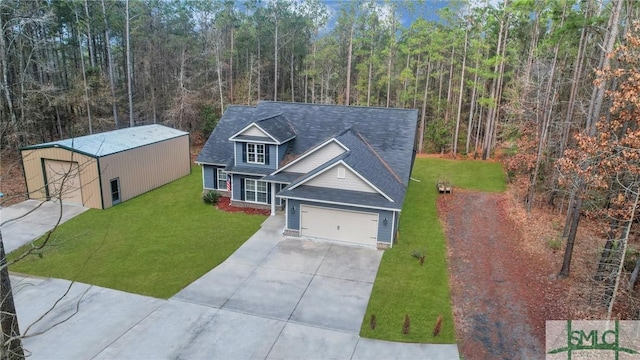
63	180
348	226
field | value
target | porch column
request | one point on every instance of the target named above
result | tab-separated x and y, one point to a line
273	199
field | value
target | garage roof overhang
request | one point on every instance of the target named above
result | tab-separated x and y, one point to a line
340	197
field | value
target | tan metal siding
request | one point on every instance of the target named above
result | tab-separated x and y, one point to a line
145	168
330	179
317	158
35	177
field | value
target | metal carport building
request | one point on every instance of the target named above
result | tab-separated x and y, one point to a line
102	170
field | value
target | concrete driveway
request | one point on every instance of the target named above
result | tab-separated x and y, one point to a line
32	220
291	279
274	298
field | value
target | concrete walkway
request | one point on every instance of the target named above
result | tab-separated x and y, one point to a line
274	298
32	220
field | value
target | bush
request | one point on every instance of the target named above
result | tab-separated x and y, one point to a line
554	244
210	197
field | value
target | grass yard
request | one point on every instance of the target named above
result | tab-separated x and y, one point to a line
402	285
154	244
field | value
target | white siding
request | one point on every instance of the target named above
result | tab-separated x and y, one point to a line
253	131
317	158
330	179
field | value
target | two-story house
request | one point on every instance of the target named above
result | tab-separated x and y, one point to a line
337	172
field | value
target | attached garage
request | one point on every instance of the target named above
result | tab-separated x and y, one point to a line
102	170
342	225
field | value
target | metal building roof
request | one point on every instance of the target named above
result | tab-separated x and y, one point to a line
111	142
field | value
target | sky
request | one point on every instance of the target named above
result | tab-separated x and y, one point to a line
426	10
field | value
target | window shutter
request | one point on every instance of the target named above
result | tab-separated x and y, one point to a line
266	154
244	153
241	188
268	193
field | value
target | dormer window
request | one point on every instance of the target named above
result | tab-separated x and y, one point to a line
255	153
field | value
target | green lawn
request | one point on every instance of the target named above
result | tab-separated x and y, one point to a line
402	285
154	244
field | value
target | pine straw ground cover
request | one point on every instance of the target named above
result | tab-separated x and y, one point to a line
154	244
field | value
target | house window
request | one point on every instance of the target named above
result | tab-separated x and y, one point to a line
255	153
255	191
222	179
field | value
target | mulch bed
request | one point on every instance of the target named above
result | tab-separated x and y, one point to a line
224	204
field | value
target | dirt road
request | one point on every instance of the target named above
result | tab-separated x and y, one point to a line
501	294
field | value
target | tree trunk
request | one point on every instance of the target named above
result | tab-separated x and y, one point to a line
573	229
447	108
89	37
219	71
495	93
6	88
132	122
230	77
634	276
599	90
424	109
472	104
84	79
605	256
11	345
369	77
464	62
107	45
349	54
594	113
547	115
293	93
315	73
275	65
623	251
389	63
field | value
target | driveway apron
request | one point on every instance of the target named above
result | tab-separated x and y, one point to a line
32	219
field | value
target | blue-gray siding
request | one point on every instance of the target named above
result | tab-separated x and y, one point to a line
237	187
209	176
385	232
273	161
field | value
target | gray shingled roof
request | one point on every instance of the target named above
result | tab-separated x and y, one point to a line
115	141
390	132
362	159
218	150
283	177
381	141
347	197
279	127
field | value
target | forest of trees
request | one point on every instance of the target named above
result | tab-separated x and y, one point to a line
545	84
